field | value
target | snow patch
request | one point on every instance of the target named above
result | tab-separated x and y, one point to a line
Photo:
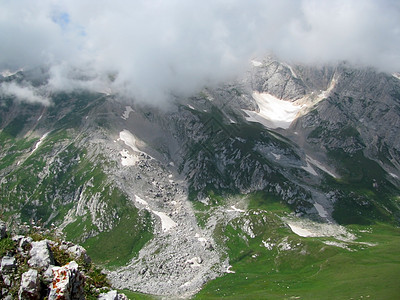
393	175
396	75
228	270
129	139
320	166
309	169
191	107
274	113
128	110
235	209
301	231
40	142
166	222
128	159
321	210
307	228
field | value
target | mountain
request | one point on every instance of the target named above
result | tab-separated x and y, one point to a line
284	182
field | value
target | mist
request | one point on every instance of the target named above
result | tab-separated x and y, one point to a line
148	50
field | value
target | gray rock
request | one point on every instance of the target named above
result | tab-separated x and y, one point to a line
112	295
30	286
68	283
79	252
8	263
41	256
48	275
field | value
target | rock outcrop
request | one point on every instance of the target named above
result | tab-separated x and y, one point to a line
52	271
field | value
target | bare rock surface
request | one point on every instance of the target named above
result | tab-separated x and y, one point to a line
41	256
30	286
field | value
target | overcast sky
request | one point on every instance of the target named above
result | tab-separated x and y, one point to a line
149	48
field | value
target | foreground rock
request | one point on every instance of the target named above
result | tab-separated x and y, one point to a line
30	285
52	271
68	282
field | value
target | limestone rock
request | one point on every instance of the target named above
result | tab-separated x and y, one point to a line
79	252
8	263
68	283
30	286
41	256
112	295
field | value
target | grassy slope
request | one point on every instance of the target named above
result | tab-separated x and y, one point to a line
324	272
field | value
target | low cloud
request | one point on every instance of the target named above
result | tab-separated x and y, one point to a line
24	92
148	49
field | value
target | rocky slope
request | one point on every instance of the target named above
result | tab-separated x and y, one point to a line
146	190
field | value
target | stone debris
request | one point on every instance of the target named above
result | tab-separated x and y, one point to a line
68	283
30	285
112	295
41	256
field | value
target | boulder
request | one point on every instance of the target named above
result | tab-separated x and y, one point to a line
112	295
41	256
8	264
68	283
79	252
30	286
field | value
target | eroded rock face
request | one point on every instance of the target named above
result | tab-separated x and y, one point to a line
68	283
41	256
30	286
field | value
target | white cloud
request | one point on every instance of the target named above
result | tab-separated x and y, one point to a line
154	47
24	93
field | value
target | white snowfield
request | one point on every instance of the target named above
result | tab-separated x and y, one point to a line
126	113
166	222
127	159
307	228
40	142
320	166
129	139
301	231
321	210
274	113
